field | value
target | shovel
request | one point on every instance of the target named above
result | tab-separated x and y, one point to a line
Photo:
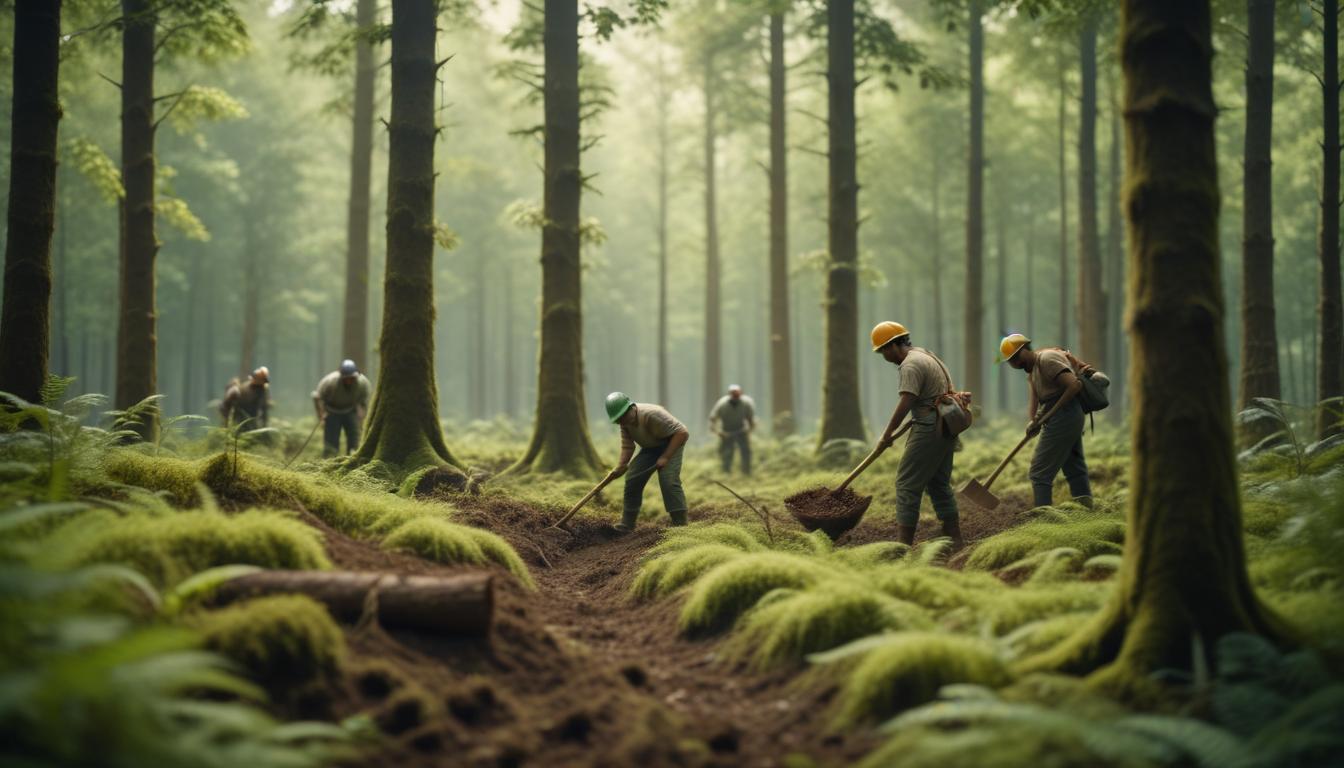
979	494
589	497
878	451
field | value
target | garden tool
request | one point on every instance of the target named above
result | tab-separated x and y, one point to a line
878	451
589	497
305	444
979	494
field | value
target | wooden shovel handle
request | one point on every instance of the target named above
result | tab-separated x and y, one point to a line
1007	459
878	451
596	489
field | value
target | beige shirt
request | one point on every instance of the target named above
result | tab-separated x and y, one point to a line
923	377
340	399
653	426
1044	376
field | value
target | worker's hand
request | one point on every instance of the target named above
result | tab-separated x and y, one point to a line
1033	427
886	441
662	462
620	469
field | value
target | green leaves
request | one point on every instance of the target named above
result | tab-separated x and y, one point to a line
198	103
95	166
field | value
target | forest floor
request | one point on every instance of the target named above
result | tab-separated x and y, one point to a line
578	672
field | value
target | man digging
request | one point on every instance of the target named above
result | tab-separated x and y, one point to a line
733	419
341	400
661	438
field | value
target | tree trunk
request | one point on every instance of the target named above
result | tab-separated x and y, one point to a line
461	605
974	345
936	267
62	276
1063	309
560	440
781	359
1115	261
1091	299
354	337
25	323
1259	339
247	355
1329	367
403	423
841	416
187	395
664	141
137	375
1184	504
1001	278
479	407
713	383
509	348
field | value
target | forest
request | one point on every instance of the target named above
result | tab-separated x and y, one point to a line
796	383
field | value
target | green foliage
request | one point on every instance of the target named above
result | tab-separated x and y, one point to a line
95	166
1088	533
282	642
674	570
727	591
444	542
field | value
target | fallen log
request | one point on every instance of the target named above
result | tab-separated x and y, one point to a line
459	605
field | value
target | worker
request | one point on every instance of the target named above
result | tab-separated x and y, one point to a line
926	465
248	403
660	437
342	400
1053	379
732	419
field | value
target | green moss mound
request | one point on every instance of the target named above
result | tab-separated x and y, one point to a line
670	572
1023	605
785	630
1090	534
444	542
937	589
908	668
282	642
729	590
168	549
697	534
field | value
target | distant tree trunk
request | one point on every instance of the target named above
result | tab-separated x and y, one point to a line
664	141
403	422
63	278
508	347
1030	269
1001	278
781	359
481	362
974	346
841	416
1329	367
354	337
247	356
187	394
1115	262
936	267
1063	308
1184	502
560	440
25	323
713	301
1091	299
137	375
1259	339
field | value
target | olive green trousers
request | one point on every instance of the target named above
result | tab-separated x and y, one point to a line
926	466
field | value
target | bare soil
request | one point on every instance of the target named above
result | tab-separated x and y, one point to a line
834	512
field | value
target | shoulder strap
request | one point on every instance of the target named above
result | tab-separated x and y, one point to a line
946	375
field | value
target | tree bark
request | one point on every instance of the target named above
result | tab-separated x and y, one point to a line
1115	263
1091	298
560	439
247	355
354	336
841	416
1001	278
664	142
1184	505
1259	339
1063	309
935	268
1329	367
403	422
783	419
25	323
713	383
972	376
461	605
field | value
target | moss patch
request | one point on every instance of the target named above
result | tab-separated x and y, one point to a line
283	642
729	590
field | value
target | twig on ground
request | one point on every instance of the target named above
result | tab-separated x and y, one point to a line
764	515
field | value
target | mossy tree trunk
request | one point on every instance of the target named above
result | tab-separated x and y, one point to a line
1259	339
403	422
664	171
1184	505
1091	298
1329	366
137	344
25	326
781	359
560	439
841	416
972	377
1063	309
354	336
1115	262
713	383
936	252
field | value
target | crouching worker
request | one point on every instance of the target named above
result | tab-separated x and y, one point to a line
1055	412
660	438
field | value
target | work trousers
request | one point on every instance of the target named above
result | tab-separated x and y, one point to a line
1061	447
740	441
669	482
331	433
926	466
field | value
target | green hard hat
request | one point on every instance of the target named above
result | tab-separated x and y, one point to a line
617	404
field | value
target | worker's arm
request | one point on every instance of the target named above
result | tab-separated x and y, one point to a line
674	444
317	407
902	408
1032	402
627	451
1072	386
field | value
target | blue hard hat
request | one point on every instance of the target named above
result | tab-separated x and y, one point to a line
348	368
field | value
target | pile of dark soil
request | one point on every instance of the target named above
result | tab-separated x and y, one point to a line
822	509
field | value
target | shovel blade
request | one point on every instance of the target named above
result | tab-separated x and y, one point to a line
978	494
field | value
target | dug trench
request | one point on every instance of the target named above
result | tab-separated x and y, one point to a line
576	672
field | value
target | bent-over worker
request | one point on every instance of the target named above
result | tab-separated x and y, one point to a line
248	402
1052	379
341	401
661	438
735	415
926	465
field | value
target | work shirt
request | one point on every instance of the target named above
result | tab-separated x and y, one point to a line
1044	376
247	401
733	417
339	398
923	377
653	426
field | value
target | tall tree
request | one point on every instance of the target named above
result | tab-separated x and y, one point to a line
1063	309
35	117
713	380
1329	362
1259	338
664	144
1184	503
781	361
1091	298
841	416
403	422
354	335
972	375
1115	258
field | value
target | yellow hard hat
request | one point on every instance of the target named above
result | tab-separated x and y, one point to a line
1011	345
886	332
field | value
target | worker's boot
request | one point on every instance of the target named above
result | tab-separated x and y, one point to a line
1085	501
678	517
952	530
905	534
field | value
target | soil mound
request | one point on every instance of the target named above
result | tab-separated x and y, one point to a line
822	509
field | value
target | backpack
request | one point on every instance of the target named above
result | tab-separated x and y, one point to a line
1095	395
